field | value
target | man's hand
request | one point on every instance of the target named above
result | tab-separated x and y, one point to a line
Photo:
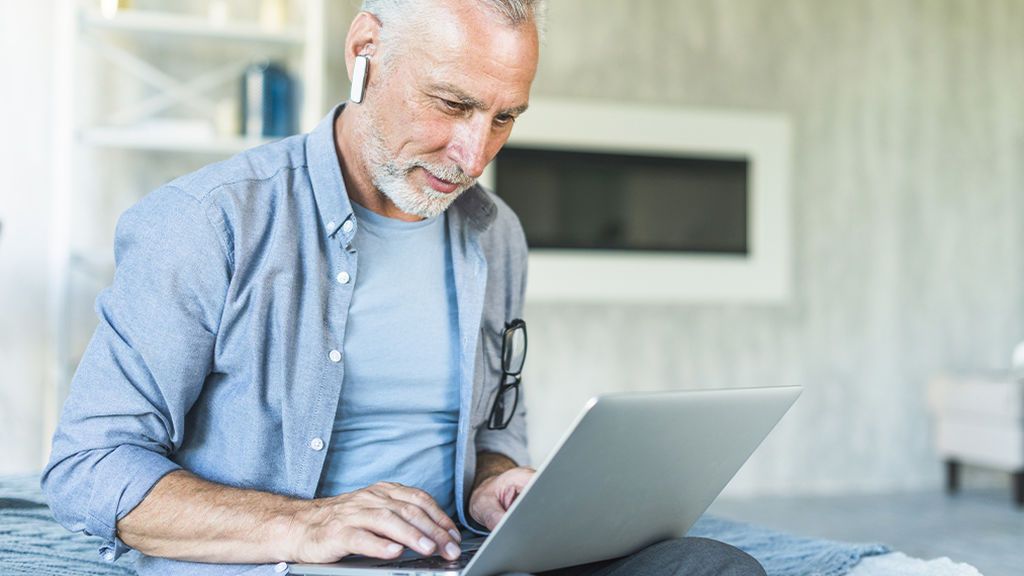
187	518
494	494
377	521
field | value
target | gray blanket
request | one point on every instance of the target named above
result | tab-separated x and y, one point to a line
32	543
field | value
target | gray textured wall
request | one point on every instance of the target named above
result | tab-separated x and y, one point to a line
908	125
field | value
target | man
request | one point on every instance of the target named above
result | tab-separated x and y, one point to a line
298	355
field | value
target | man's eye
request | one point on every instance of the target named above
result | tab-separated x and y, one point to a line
504	119
454	106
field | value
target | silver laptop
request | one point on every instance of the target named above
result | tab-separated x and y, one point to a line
634	469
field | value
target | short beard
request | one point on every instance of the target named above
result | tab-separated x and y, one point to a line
391	177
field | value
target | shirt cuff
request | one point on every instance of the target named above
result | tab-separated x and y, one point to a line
121	480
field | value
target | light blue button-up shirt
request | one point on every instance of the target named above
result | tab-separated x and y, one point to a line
219	342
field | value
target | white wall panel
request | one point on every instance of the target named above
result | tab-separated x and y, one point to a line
25	41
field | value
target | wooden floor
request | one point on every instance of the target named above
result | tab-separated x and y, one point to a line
982	528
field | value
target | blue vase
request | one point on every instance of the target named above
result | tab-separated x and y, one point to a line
268	101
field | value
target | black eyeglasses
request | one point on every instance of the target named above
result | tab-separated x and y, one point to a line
513	355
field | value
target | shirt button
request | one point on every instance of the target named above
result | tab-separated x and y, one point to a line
343	277
331	225
347	226
334	355
316	444
108	556
280	567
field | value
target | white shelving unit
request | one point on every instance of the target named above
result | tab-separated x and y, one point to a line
191	27
139	93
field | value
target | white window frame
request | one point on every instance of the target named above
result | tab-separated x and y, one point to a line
763	139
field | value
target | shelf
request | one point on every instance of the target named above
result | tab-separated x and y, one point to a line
129	111
166	24
135	139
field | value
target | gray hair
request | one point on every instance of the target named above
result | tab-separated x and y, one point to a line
513	12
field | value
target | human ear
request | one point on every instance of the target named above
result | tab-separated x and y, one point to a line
359	46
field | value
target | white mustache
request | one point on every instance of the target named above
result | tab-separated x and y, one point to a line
448	173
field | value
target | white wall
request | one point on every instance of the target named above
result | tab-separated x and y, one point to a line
908	125
25	58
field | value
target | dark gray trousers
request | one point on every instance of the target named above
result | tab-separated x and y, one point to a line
677	557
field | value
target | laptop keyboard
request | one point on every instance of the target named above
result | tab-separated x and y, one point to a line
433	562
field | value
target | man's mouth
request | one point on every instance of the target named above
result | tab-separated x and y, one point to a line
443	186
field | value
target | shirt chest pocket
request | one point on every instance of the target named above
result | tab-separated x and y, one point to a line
487	377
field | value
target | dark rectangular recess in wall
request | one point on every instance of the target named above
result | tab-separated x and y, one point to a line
604	201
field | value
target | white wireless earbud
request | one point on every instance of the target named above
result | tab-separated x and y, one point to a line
360	74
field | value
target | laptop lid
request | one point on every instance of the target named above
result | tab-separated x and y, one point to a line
633	469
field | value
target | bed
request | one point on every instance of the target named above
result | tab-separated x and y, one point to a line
33	544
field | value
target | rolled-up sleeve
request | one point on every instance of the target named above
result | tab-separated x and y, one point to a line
144	367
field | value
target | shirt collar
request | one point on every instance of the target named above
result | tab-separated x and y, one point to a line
325	174
474	206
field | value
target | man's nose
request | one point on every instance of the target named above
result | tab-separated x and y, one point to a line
470	147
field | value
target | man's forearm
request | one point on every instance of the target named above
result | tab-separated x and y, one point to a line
188	518
490	464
